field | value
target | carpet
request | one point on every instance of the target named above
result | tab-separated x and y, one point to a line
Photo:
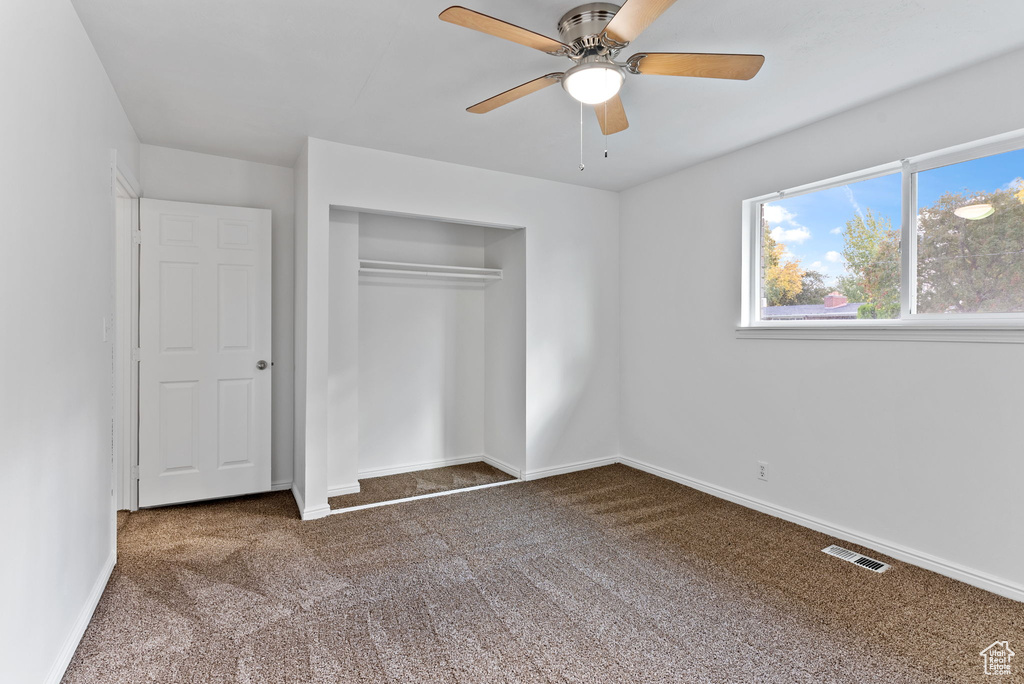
391	487
605	575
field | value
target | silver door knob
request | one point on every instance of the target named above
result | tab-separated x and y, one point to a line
261	365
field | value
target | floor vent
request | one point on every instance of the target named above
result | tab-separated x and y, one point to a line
856	558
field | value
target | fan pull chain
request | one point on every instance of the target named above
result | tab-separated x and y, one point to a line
582	166
605	127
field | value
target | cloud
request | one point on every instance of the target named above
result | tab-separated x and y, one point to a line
828	277
852	200
837	230
799	235
776	215
833	256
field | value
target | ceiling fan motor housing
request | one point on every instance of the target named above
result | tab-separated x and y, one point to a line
581	27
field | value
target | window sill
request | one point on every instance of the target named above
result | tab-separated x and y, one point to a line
887	333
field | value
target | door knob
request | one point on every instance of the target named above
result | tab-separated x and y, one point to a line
261	365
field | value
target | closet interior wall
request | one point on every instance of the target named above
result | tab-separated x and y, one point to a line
441	359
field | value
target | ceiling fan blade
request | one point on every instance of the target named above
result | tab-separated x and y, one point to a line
701	65
612	116
634	17
519	91
460	16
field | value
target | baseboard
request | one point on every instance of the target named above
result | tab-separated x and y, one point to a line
280	486
341	490
570	468
982	580
431	495
311	513
67	651
421	465
502	466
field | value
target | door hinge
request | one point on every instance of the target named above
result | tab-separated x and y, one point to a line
136	237
135	472
136	354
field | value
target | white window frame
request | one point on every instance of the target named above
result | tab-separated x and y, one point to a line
970	327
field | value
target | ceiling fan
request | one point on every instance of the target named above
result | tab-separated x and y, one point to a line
592	36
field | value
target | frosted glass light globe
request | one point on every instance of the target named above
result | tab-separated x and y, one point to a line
592	83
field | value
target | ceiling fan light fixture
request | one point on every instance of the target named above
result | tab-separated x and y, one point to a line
593	83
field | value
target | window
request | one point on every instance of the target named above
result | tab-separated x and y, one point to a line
931	242
833	254
970	237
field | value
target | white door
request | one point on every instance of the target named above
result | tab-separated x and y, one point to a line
204	339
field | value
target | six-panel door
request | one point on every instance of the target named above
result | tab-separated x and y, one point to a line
204	327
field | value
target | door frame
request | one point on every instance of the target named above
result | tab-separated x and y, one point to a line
124	186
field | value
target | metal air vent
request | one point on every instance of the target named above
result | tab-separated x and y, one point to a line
856	558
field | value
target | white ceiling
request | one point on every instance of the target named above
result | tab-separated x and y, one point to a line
252	78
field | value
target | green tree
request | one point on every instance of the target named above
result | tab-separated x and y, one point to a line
814	289
871	250
867	311
969	266
783	280
852	288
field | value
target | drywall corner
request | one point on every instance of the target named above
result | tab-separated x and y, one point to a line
74	637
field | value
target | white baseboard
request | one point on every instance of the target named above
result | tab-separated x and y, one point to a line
419	465
67	651
502	466
310	513
431	495
353	487
280	486
906	554
341	490
570	468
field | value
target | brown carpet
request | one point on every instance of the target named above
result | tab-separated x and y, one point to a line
608	575
391	487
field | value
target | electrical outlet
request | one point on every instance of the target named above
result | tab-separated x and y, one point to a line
762	470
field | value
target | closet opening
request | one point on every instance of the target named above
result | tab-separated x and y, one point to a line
427	357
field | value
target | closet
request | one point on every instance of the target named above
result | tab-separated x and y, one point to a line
440	358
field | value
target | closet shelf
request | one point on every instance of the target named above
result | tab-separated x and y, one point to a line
434	271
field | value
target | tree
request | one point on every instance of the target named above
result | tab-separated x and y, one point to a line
966	266
871	250
783	280
852	288
814	289
867	311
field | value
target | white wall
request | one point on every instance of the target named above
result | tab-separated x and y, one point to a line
505	350
59	122
169	174
300	480
421	347
343	344
926	454
400	238
571	296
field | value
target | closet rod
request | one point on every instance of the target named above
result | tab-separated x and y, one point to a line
370	263
429	274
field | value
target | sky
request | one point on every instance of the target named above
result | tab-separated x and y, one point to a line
811	225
